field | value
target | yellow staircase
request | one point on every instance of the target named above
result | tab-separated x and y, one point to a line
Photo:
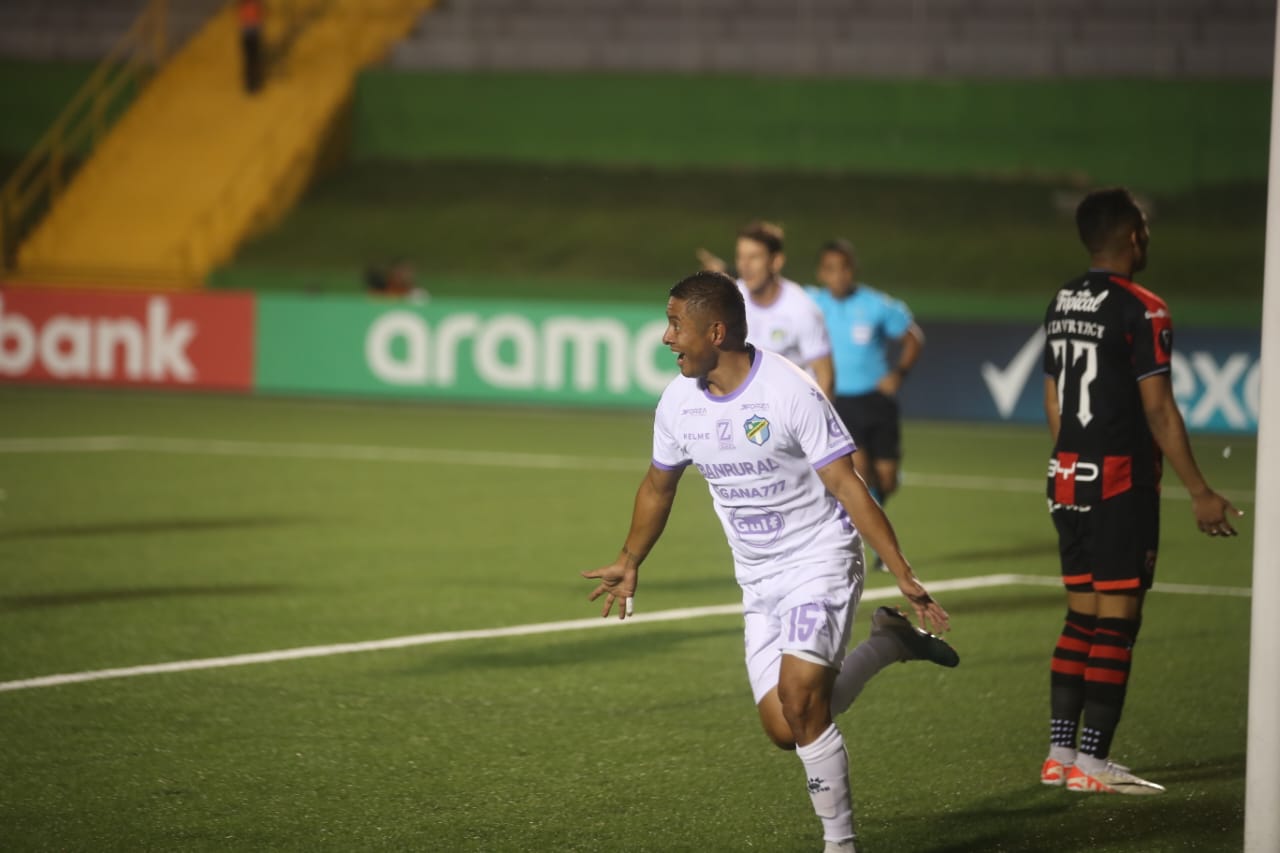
196	165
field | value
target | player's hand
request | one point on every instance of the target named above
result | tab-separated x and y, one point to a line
710	261
1213	513
929	613
617	585
890	383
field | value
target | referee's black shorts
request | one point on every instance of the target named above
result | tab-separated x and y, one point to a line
874	422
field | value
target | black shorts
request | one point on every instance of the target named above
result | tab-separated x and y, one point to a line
1109	546
873	420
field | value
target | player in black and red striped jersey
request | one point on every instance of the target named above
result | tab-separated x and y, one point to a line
1109	402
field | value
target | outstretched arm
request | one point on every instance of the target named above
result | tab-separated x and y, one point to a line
710	261
1211	509
653	503
843	482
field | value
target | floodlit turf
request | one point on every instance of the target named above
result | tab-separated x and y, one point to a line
624	737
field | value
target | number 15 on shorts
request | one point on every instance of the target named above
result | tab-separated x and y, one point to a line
803	621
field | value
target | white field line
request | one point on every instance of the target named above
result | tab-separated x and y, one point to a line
678	615
282	450
442	456
69	444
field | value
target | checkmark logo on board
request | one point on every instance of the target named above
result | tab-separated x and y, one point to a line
1006	384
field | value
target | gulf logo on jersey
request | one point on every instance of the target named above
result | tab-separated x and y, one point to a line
757	527
757	429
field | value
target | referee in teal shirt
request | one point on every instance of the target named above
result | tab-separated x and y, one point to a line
865	325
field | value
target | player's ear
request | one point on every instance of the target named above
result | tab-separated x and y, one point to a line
1139	237
777	262
718	331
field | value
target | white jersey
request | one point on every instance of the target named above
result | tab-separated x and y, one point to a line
793	326
759	449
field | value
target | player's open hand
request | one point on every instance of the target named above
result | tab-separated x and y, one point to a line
890	384
1214	513
617	585
710	261
929	613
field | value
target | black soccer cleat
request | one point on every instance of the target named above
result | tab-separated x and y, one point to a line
919	644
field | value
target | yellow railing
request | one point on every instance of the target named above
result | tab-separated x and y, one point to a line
287	22
232	211
199	249
40	179
293	17
290	26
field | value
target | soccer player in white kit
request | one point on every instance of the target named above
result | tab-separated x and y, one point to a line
781	316
779	464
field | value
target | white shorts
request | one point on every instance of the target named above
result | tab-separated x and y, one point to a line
803	612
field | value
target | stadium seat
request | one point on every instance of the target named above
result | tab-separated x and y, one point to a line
1004	38
1085	58
1000	58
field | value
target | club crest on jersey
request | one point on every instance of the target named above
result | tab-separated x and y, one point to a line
757	429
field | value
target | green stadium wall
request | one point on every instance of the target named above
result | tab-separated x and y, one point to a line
1157	135
32	95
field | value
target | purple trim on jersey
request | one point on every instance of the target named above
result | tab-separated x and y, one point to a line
828	459
728	398
662	466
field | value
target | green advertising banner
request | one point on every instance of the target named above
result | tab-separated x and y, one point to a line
537	352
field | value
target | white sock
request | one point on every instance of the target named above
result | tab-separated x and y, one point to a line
867	658
1063	754
826	767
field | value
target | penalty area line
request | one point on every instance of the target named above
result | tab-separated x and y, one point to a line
676	615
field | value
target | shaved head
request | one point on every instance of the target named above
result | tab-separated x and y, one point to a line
715	297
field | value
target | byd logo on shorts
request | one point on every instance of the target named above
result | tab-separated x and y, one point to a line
1071	468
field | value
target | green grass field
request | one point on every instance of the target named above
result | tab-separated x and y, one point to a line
224	526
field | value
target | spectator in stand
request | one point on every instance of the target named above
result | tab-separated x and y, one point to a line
250	14
395	281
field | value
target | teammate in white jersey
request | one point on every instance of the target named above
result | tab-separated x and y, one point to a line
781	316
779	464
